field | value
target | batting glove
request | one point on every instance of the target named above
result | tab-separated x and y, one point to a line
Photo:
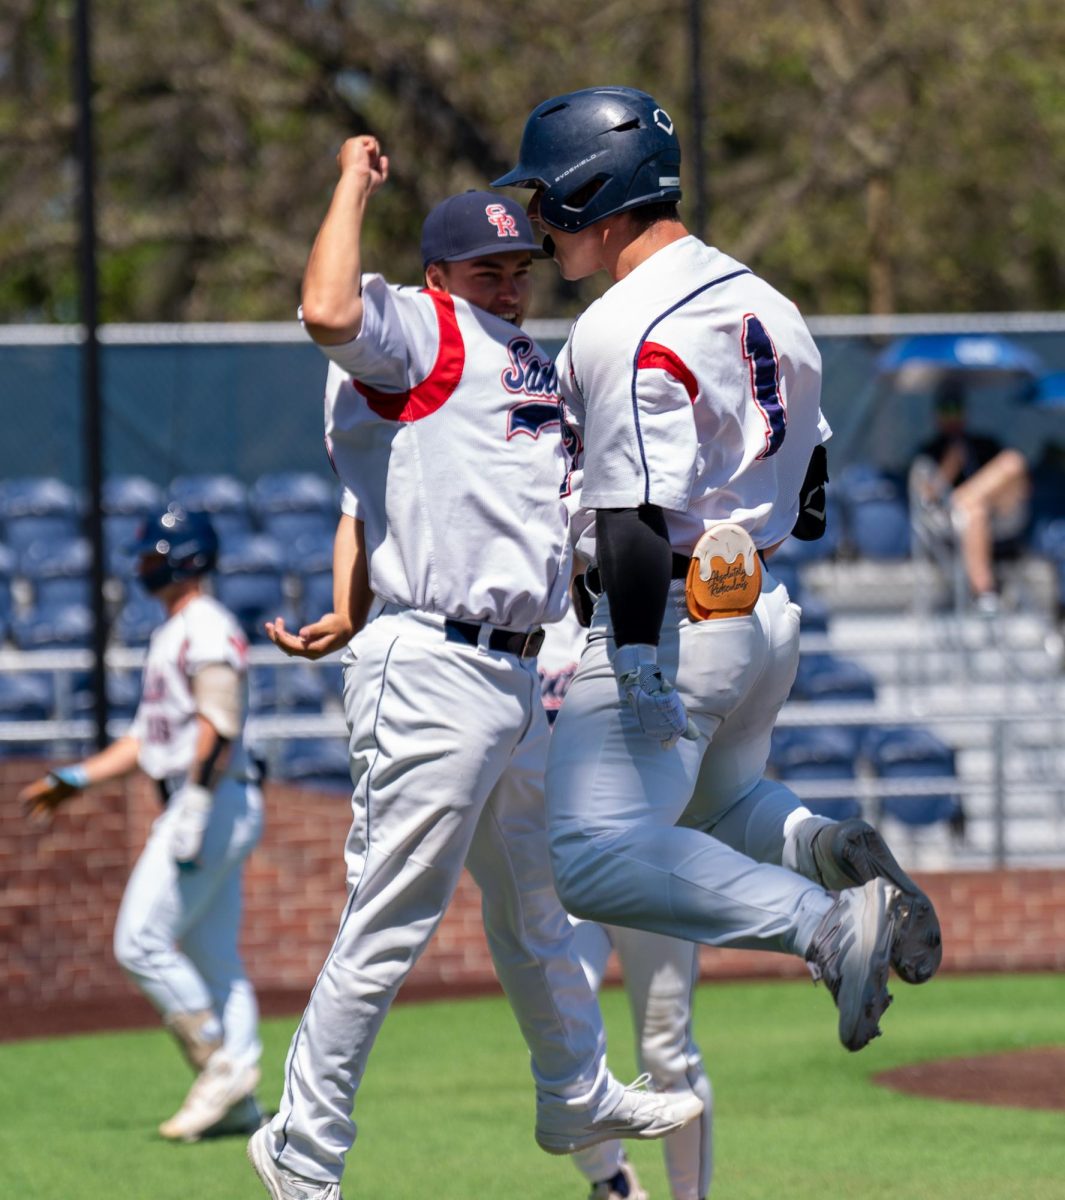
192	811
656	703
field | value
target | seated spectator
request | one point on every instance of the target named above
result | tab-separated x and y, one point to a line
971	487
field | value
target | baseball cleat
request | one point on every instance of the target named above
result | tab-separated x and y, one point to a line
283	1184
850	952
220	1086
852	852
639	1113
623	1186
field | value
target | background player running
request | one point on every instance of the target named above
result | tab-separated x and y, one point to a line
179	922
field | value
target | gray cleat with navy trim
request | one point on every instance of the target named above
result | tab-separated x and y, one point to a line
852	852
850	953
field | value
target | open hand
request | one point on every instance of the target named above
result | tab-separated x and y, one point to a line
329	633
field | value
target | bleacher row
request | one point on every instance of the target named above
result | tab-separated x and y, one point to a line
276	556
276	541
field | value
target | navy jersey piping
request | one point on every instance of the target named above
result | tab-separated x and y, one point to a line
636	358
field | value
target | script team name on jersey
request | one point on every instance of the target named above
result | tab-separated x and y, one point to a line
530	374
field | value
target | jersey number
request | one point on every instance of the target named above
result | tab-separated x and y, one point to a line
761	356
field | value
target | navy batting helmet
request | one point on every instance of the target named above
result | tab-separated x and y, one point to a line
186	541
596	152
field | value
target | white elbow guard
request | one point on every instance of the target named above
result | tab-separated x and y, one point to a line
218	693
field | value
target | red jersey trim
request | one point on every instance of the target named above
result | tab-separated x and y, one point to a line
438	386
656	357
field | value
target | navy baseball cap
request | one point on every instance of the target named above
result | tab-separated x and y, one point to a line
475	223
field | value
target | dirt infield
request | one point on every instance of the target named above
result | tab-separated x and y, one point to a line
1021	1079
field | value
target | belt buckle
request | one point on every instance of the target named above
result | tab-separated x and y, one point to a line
530	647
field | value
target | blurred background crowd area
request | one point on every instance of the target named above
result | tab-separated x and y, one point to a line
896	169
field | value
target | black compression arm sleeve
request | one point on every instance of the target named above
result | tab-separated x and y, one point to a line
635	565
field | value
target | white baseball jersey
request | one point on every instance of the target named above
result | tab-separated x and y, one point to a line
443	421
706	403
200	634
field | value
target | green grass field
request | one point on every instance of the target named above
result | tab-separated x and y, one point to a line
446	1111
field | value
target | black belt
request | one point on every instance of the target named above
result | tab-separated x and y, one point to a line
506	641
679	570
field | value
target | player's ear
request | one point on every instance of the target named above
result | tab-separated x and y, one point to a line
436	277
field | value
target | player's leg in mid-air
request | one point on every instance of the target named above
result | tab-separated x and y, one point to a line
620	856
765	819
177	938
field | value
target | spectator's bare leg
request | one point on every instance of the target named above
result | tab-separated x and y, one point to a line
998	487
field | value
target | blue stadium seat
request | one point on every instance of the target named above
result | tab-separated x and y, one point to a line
223	497
815	615
320	763
316	595
299	689
38	507
331	672
285	689
292	503
8	565
310	551
787	573
131	496
817	753
913	753
123	695
876	516
824	678
53	627
58	570
120	532
249	581
262	689
127	500
792	550
24	697
139	616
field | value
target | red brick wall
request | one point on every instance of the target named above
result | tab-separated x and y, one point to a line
60	888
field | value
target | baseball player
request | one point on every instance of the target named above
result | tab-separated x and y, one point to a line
178	925
442	422
692	393
660	974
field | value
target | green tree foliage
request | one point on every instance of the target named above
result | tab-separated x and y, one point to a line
864	155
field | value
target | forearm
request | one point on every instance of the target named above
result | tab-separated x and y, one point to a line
635	563
118	759
351	576
211	755
332	293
